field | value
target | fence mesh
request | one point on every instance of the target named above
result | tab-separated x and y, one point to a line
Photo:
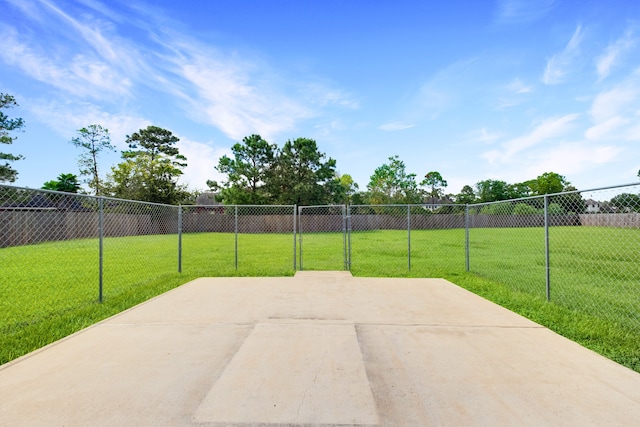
56	230
140	243
394	240
225	240
580	250
508	246
61	251
323	238
594	253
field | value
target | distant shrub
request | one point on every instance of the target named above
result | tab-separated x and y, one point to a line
555	209
498	209
525	209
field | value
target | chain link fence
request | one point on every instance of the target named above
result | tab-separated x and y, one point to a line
577	249
222	240
394	240
62	252
323	240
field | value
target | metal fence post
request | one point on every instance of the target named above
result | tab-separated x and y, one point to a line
466	237
409	236
100	244
349	236
236	234
295	255
546	247
300	235
344	237
180	239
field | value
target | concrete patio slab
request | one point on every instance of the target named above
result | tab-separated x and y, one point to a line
318	349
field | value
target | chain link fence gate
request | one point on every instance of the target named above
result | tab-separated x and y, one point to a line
323	237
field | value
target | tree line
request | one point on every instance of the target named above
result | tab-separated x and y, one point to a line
256	173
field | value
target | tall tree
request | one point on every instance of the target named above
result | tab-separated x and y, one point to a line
247	172
346	189
436	184
66	182
626	202
466	196
521	189
300	175
92	139
391	184
7	173
549	182
150	169
491	190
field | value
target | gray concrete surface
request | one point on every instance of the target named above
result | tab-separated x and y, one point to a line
318	349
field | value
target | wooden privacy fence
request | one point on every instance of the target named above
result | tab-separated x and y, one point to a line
30	226
26	227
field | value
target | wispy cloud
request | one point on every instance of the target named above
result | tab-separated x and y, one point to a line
90	57
613	53
518	87
396	126
560	64
522	11
572	158
229	97
483	135
442	92
65	118
614	112
241	94
549	130
201	161
514	93
79	75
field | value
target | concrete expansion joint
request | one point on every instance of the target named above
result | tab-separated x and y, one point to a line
449	325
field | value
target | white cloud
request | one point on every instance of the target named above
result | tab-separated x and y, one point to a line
29	8
560	64
79	75
90	33
522	11
238	93
573	158
615	111
443	91
202	158
483	135
569	158
242	95
395	126
518	87
612	54
66	118
227	97
549	130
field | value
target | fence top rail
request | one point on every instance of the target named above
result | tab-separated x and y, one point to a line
86	196
562	193
321	206
240	206
415	205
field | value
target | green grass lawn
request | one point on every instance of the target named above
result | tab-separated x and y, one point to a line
50	290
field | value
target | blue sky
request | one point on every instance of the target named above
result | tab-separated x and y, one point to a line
503	89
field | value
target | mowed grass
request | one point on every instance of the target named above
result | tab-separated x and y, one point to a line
594	282
50	290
